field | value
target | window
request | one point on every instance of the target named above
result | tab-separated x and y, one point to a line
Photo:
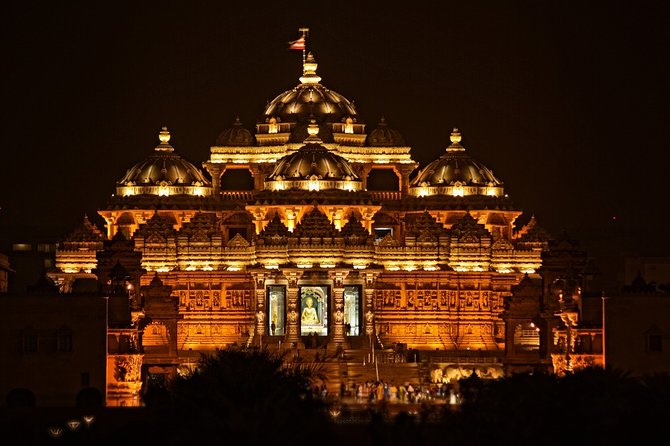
29	342
380	233
276	310
352	313
64	341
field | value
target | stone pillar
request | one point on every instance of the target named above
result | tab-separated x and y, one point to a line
368	312
215	171
292	336
337	339
363	172
261	313
404	171
259	172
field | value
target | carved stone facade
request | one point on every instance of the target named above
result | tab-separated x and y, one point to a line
310	258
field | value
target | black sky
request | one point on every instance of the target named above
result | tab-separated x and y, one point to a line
566	101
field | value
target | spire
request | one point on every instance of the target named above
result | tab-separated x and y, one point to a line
455	139
309	75
164	137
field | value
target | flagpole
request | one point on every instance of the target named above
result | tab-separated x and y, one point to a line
304	32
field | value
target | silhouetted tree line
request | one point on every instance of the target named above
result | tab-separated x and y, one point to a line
248	397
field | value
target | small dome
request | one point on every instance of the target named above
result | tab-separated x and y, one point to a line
456	173
164	173
385	136
313	163
236	135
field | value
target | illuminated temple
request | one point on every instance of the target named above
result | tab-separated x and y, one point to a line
427	273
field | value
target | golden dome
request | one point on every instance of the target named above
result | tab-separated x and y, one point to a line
456	173
163	172
313	167
309	100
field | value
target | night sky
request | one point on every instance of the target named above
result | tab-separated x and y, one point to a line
566	101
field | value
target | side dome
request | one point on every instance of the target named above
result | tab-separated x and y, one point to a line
164	173
236	135
457	174
385	136
313	167
292	111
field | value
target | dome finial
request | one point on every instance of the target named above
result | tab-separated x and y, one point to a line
455	135
164	135
309	75
313	132
164	138
455	139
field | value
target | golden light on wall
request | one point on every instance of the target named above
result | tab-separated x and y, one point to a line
163	190
457	190
349	126
313	183
273	127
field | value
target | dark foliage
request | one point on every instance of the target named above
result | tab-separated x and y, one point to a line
243	395
593	406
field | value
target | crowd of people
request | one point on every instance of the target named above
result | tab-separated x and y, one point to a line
390	392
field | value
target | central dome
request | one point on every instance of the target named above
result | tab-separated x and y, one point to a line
313	167
310	101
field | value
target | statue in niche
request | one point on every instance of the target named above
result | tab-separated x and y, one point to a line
309	316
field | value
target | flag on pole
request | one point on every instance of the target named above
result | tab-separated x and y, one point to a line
297	44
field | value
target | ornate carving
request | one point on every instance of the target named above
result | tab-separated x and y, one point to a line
128	368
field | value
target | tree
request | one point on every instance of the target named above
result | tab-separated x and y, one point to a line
247	394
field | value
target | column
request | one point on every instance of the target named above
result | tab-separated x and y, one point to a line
368	312
259	172
404	171
337	338
215	171
261	313
292	336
